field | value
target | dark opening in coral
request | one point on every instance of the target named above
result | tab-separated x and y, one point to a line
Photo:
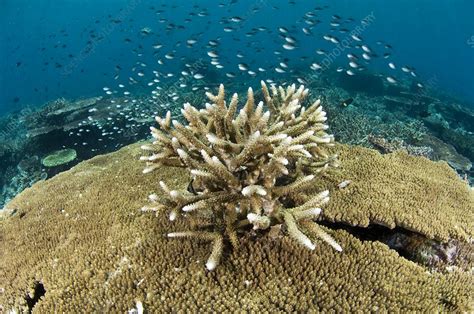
369	233
37	294
413	246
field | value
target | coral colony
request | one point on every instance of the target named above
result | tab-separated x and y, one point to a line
251	168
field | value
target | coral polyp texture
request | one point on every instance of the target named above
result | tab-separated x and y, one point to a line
250	168
92	251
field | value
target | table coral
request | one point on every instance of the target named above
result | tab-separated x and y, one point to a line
59	157
92	250
399	190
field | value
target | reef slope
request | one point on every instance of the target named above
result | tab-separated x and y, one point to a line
79	242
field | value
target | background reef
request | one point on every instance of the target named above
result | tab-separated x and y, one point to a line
83	249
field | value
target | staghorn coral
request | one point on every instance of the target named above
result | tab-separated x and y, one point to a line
93	252
247	167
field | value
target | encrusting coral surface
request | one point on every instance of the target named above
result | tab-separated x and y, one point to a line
399	190
248	167
95	252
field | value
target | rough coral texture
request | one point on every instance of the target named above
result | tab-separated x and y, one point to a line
385	146
398	190
248	167
82	236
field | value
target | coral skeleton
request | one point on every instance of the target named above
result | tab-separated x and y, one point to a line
252	168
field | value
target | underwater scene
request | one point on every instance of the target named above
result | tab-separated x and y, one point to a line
236	156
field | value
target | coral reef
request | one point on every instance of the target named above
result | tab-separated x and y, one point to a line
12	132
59	157
91	126
59	114
82	250
399	190
446	152
408	117
454	125
25	174
365	117
385	146
99	125
250	169
438	256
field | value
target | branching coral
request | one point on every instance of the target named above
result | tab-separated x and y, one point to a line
250	168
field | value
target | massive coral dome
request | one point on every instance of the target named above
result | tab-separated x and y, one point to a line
250	168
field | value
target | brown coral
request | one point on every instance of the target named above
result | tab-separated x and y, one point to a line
247	167
398	190
93	252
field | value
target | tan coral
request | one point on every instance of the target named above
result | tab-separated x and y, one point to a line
247	166
398	190
94	252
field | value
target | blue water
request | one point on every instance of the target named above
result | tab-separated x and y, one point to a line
433	36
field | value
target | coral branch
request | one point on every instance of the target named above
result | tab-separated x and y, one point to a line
250	167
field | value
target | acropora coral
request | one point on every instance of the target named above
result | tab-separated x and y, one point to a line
95	252
250	168
397	190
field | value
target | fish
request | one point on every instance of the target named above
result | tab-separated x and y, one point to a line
236	19
289	46
243	67
290	39
353	64
352	56
146	31
391	80
366	49
347	102
179	49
